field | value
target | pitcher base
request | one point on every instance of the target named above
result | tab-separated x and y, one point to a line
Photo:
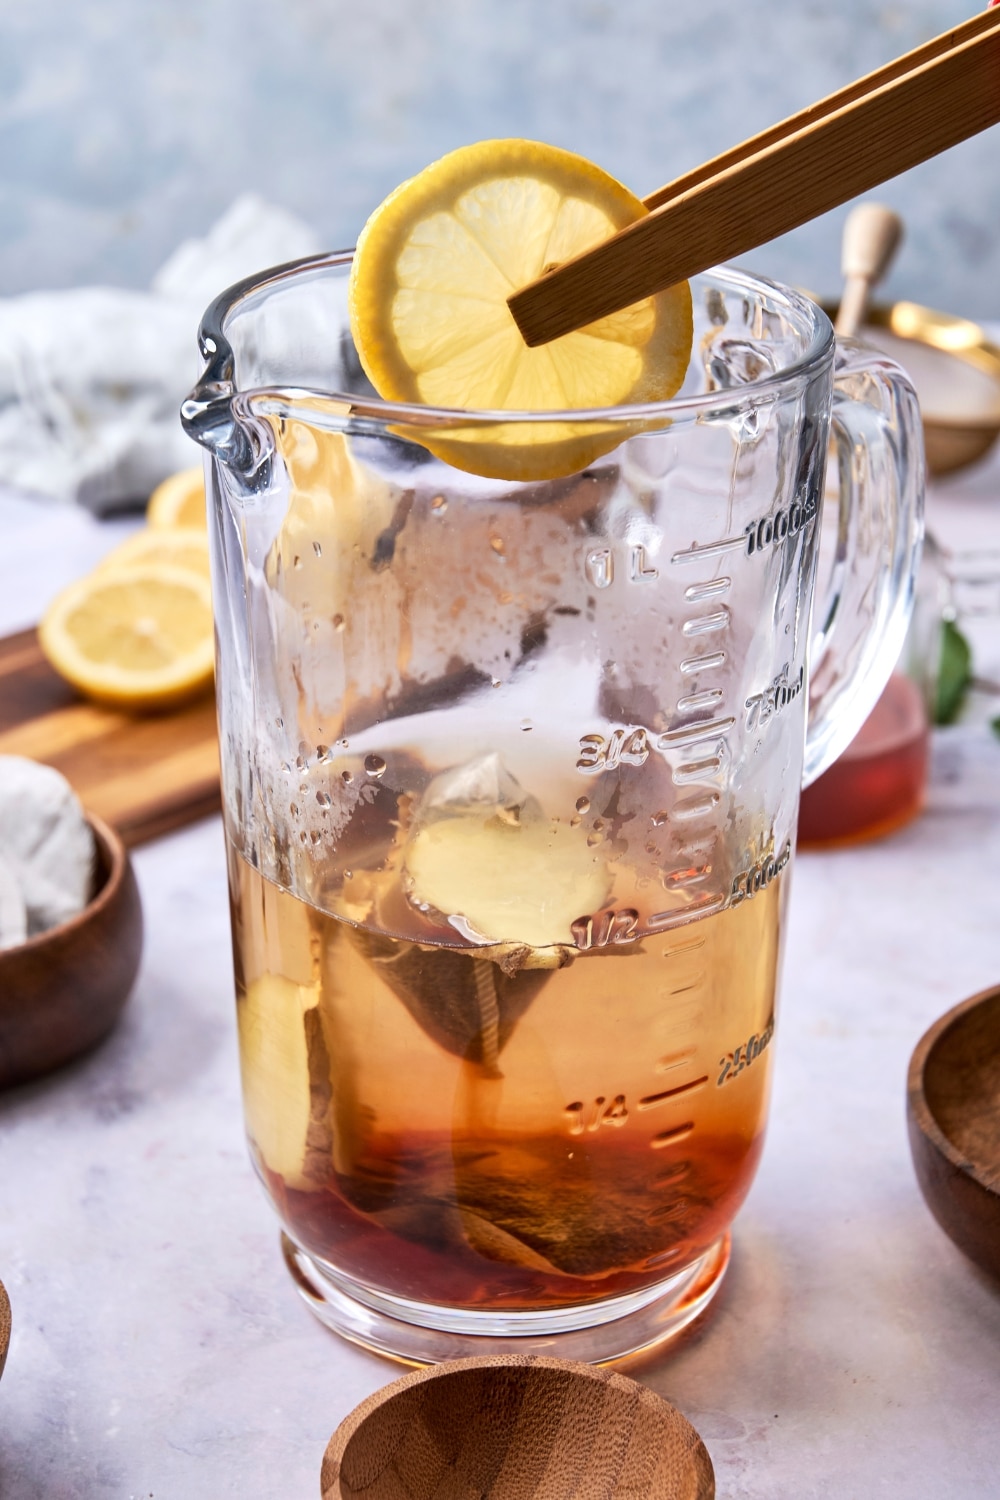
422	1334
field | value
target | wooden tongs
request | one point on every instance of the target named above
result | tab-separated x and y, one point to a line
885	123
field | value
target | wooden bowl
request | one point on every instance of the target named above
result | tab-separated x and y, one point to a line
953	1114
515	1428
4	1325
60	992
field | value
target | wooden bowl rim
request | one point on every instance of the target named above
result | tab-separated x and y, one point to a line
920	1109
111	845
346	1430
5	1326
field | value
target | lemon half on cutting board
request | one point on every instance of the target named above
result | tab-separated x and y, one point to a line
135	638
433	269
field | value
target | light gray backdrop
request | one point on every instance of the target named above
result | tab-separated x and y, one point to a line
127	125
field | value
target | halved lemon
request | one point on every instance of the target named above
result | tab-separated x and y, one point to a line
433	269
179	500
177	546
137	638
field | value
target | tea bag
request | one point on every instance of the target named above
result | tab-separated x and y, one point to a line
46	844
13	912
468	1005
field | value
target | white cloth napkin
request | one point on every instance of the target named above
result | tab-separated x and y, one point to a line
91	378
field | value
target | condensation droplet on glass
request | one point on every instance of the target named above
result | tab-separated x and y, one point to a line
297	562
337	622
439	505
300	764
322	751
598	825
583	804
286	768
496	542
279	723
593	839
346	777
323	798
314	837
495	682
348	874
317	549
652	849
526	726
374	765
302	836
574	822
659	818
293	808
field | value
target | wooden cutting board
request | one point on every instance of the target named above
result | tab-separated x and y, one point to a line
144	775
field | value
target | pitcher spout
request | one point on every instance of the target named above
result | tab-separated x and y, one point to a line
210	415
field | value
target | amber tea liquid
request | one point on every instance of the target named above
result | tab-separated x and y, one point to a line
484	1133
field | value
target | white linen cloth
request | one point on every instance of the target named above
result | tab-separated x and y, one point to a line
91	378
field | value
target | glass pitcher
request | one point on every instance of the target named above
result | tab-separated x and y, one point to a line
511	773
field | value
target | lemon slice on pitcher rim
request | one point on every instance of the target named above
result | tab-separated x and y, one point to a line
433	269
134	638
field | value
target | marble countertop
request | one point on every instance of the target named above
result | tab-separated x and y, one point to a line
159	1349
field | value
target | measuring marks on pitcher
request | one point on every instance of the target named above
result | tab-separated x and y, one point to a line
676	1082
700	751
697	752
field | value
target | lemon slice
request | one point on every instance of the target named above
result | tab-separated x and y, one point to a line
179	501
179	547
433	269
133	637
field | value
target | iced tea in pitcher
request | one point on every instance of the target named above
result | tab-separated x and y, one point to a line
518	684
553	1118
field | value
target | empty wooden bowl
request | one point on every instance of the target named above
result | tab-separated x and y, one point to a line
520	1427
4	1326
61	991
953	1114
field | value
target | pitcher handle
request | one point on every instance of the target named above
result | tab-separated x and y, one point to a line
862	619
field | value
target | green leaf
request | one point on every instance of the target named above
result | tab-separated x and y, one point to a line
954	673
